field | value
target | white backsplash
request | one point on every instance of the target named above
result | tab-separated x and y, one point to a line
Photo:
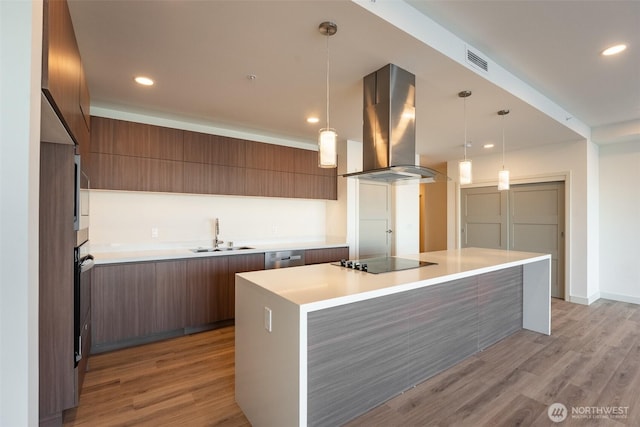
124	220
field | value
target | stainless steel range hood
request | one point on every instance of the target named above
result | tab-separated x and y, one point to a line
389	136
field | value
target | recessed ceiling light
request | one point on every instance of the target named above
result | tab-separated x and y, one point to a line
144	81
614	49
312	120
488	146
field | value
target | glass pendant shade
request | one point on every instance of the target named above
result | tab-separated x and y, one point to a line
503	180
327	153
464	167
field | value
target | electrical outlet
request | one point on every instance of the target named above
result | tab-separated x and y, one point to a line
267	319
154	232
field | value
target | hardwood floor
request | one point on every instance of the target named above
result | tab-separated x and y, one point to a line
592	359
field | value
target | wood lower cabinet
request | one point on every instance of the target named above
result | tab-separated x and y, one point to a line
123	302
240	264
320	256
170	296
134	303
207	290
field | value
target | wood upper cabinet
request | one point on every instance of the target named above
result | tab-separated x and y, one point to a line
133	139
266	183
270	157
140	157
214	149
136	156
63	80
320	256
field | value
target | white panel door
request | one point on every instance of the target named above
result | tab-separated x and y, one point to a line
374	220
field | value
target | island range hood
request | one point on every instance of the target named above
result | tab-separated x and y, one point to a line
389	135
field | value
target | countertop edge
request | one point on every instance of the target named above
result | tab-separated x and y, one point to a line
402	287
105	258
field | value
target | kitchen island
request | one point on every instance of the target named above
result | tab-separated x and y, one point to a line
322	344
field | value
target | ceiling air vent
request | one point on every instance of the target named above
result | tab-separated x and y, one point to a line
475	59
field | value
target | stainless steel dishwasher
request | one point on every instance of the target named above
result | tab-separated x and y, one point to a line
281	259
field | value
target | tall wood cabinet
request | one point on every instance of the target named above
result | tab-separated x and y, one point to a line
57	239
65	90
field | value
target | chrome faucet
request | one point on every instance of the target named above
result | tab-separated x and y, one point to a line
216	239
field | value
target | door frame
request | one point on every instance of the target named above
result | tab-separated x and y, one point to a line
533	179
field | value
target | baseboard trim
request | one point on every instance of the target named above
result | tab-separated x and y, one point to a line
620	297
585	301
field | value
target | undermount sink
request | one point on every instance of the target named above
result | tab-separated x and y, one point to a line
221	249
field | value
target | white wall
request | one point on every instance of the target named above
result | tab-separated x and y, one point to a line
122	220
573	161
620	221
20	65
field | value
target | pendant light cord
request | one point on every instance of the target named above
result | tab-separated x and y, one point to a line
327	81
464	100
502	142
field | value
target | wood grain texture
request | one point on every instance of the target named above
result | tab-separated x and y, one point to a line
270	157
315	187
207	290
122	301
166	143
362	354
101	135
266	183
320	256
500	305
170	296
201	178
189	380
61	65
131	139
214	149
139	157
55	278
239	264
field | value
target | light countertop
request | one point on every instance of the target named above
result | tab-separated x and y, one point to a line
320	286
116	257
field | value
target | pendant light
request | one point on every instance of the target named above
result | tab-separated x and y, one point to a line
464	166
327	140
503	175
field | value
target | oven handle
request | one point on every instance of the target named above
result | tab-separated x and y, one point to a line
87	263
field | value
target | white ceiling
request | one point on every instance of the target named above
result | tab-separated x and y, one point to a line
200	53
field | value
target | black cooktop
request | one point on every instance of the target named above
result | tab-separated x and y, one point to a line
382	264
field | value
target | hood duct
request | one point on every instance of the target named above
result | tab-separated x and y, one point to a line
389	135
